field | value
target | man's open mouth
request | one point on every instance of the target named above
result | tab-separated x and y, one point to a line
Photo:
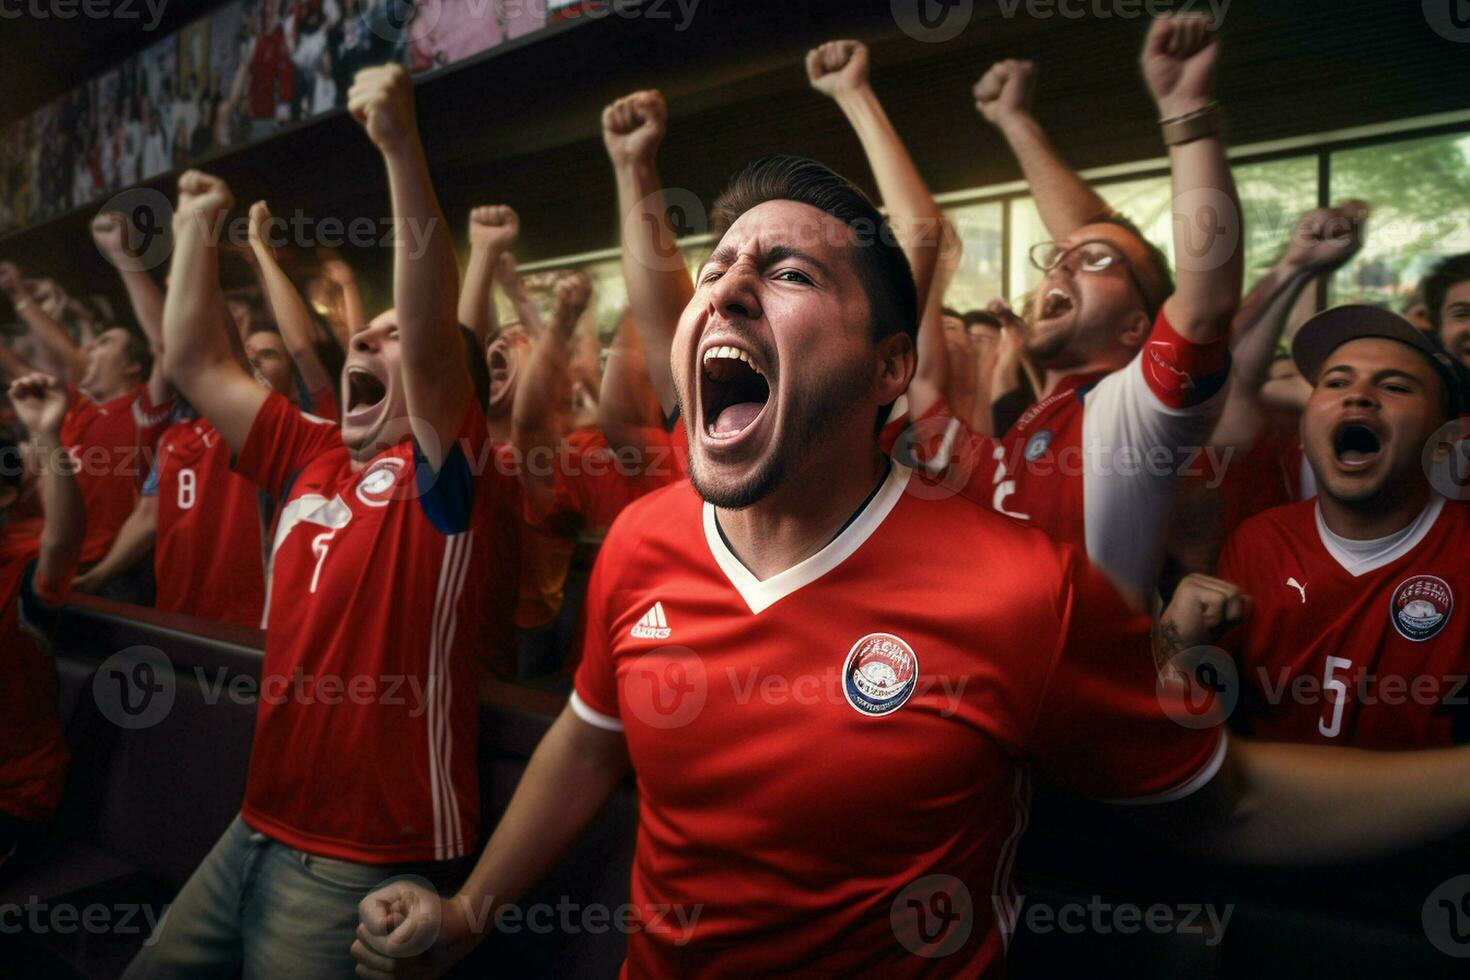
1356	445
364	389
1054	303
733	392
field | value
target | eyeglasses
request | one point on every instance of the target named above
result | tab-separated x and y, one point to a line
1092	256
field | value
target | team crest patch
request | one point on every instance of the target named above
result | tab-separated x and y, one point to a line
376	486
880	673
1037	446
1421	606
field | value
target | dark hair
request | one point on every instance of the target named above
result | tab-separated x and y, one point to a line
951	312
982	317
260	326
879	262
1158	262
1441	279
138	350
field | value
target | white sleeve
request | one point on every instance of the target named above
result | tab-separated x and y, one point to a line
1134	450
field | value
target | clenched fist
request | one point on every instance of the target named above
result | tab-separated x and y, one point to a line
1006	90
1179	63
838	68
493	226
202	198
381	100
571	294
1326	238
634	126
110	232
1203	606
40	403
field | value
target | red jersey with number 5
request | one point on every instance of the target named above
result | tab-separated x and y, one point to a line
385	580
1354	643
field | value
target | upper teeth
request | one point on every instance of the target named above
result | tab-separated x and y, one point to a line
730	352
1055	293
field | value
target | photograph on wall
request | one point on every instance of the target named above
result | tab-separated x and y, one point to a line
158	81
191	139
224	111
446	31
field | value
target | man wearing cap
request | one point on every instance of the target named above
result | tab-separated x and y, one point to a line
1352	635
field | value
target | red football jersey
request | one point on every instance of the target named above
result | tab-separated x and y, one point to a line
815	767
33	753
1353	649
111	444
1097	461
207	556
594	484
386	580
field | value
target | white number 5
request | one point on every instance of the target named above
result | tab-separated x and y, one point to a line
1338	697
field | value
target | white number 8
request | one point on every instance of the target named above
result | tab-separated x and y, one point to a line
187	489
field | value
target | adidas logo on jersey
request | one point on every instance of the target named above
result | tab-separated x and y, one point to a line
653	625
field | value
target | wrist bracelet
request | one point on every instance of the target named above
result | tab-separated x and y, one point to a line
1191	126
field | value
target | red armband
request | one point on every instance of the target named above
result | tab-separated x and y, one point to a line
1181	372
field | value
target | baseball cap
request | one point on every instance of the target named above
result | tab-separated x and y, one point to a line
1330	329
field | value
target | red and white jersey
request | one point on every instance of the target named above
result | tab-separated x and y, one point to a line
33	752
808	758
208	554
1097	461
111	444
1353	643
385	582
594	484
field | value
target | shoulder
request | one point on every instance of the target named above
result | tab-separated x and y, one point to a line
1260	539
671	516
981	542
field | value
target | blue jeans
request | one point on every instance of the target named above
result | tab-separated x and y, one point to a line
258	909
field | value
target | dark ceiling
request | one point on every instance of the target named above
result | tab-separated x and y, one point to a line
522	126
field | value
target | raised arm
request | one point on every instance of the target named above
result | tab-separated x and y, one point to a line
1178	61
1065	201
40	402
436	380
51	335
540	419
839	70
627	406
286	305
110	231
507	274
339	272
658	281
12	365
492	230
199	358
1322	242
407	930
932	372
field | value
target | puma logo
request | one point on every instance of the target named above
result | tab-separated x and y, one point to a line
1300	587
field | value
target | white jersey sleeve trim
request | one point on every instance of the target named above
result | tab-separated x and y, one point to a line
592	716
1189	787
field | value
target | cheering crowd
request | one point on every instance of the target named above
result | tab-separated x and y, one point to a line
988	539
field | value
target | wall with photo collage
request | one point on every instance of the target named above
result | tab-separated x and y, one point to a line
239	75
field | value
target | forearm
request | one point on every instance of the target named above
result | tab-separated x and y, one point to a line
194	338
911	208
539	419
1208	241
133	542
931	371
12	365
425	273
1302	804
291	315
147	302
66	517
659	285
54	338
475	297
1261	320
1063	199
570	776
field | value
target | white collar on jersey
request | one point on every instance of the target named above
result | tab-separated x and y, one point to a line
759	595
1361	557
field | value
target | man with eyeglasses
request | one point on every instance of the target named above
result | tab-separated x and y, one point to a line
1130	363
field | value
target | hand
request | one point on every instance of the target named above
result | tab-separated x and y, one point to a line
838	68
634	126
110	232
1326	238
570	297
40	403
381	100
951	252
202	198
260	217
1203	606
494	226
1179	63
407	930
87	583
1006	90
11	282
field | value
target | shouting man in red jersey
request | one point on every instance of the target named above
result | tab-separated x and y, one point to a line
927	654
382	589
1353	635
